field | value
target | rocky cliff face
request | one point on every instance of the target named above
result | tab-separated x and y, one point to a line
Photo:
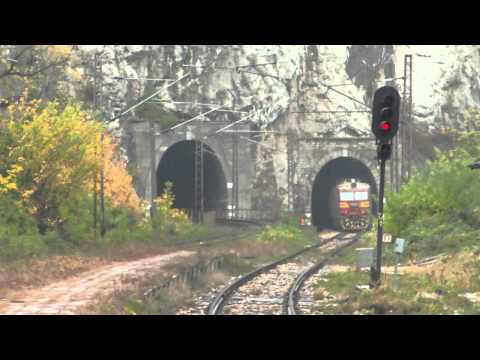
315	90
445	82
272	79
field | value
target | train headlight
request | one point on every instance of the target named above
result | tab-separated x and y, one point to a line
365	204
343	205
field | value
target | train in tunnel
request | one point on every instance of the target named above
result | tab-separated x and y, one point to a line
350	205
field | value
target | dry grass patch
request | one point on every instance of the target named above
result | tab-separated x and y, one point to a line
449	286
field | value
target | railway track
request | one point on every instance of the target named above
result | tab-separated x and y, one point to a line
234	223
276	277
293	295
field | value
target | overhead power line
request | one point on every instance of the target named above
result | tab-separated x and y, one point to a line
130	109
343	94
330	112
190	120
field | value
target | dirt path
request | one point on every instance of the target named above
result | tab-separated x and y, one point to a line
68	296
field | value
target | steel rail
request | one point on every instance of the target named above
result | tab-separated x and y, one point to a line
213	240
216	306
292	296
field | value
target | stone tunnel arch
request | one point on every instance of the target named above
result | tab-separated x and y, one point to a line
177	165
343	167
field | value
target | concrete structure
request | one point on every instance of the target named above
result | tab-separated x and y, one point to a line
219	149
300	180
314	164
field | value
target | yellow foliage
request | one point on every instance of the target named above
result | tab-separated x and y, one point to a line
54	157
118	182
166	214
11	186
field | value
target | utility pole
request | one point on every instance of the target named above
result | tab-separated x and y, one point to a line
153	175
290	170
102	187
396	162
95	105
235	187
198	204
407	142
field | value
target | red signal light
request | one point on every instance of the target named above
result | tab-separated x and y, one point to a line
385	126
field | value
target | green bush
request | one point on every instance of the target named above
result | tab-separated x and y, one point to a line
168	219
19	235
439	208
123	225
439	233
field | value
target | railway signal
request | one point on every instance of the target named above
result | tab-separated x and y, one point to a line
385	114
385	121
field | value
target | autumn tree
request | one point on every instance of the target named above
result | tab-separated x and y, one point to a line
118	182
51	158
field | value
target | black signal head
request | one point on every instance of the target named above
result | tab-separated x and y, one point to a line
385	114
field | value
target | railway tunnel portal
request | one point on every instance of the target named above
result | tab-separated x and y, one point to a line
178	167
174	153
326	179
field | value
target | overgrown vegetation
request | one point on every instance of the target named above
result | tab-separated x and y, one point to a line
439	209
51	158
447	287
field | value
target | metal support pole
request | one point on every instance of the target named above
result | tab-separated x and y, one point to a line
95	105
406	129
403	130
153	175
290	171
102	188
384	153
235	187
409	118
95	196
396	161
202	183
198	205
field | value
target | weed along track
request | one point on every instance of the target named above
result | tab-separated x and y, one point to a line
294	294
263	290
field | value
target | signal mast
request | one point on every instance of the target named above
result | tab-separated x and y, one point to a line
385	121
